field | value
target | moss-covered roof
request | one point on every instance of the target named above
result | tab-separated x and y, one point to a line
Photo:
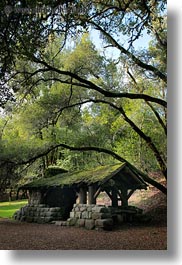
98	174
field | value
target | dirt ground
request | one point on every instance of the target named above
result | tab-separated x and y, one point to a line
151	236
28	236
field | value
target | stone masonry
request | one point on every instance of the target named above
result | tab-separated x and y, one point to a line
38	213
89	216
100	217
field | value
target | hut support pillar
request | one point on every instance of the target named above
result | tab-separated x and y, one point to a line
114	198
91	192
82	195
124	197
130	193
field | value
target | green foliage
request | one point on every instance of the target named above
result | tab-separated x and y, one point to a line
60	82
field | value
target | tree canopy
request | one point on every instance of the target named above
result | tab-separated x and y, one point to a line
66	102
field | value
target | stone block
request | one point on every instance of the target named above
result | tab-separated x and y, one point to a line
89	215
72	221
106	224
47	219
22	218
43	214
53	209
83	208
41	220
48	214
34	209
81	222
29	219
78	214
57	209
96	215
72	214
119	218
82	205
85	215
35	214
100	209
42	205
89	224
61	223
31	213
54	214
100	215
89	208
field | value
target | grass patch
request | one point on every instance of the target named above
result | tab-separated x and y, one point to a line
7	209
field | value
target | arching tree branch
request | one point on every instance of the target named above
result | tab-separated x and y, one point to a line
130	55
90	85
99	150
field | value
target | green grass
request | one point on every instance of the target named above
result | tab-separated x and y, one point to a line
7	209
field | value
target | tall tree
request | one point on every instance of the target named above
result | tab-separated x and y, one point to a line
36	59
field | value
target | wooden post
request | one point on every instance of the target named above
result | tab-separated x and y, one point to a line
82	195
91	192
124	197
114	198
130	193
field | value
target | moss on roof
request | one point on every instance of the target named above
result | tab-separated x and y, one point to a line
99	174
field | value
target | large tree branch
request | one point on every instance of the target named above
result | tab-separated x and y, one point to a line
158	117
130	55
90	85
149	104
146	138
99	150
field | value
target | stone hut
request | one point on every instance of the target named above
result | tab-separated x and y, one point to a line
57	194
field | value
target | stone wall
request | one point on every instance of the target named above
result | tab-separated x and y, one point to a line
100	217
90	216
39	213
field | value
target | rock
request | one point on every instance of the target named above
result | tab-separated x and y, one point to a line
47	219
100	215
85	215
71	221
83	208
89	208
29	219
61	223
41	220
89	224
81	222
72	214
106	224
78	214
119	219
100	209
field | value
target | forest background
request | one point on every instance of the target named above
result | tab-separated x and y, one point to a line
66	103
